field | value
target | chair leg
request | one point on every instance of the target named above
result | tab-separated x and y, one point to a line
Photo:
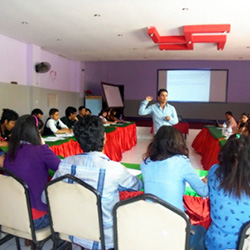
33	246
39	245
64	246
18	243
55	239
5	239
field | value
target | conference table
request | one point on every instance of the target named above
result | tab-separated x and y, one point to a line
119	138
208	143
183	127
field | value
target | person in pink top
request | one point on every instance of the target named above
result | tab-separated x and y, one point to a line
230	121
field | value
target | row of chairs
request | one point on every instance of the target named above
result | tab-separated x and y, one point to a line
75	210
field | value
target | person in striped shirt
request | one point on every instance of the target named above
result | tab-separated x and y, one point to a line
96	169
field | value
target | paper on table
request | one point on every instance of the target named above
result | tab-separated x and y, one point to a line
134	172
53	138
64	135
69	135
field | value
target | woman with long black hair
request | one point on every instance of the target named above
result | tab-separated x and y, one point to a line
30	160
229	193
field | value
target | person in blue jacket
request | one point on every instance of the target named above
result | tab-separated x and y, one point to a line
166	169
229	193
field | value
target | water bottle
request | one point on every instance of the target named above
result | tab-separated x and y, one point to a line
224	128
229	130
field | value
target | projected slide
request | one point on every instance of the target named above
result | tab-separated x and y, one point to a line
188	85
194	85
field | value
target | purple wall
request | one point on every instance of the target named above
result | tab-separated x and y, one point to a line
140	77
18	59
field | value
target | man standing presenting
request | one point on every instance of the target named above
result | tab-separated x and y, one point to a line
162	112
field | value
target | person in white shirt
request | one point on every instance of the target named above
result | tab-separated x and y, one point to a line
54	125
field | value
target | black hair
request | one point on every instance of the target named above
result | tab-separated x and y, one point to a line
9	115
53	111
36	112
103	111
234	166
245	114
89	133
25	130
229	113
89	111
161	90
69	110
81	107
40	124
248	127
167	142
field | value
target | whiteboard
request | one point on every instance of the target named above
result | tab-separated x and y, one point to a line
112	95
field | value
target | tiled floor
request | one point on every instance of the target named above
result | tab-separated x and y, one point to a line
11	245
144	137
132	156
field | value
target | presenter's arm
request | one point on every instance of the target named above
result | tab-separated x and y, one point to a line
144	110
173	118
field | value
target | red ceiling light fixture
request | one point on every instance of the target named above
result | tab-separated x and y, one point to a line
192	34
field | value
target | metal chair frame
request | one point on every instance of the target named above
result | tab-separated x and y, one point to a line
55	235
155	199
35	244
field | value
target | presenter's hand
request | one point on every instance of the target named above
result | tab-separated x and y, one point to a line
168	118
149	98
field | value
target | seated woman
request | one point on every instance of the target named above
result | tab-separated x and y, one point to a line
30	161
165	171
229	193
103	115
243	123
112	115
